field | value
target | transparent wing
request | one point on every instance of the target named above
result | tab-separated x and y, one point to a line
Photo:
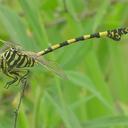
4	47
52	66
7	45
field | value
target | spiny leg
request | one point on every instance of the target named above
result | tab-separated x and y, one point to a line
10	83
21	74
8	73
14	76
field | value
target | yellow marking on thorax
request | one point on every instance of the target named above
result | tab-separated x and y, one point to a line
25	61
16	57
103	34
86	36
10	55
71	41
55	46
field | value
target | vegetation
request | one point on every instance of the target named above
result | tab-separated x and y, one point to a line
95	93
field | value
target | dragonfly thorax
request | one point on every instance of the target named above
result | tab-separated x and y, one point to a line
13	58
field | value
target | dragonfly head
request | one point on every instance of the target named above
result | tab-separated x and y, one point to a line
13	49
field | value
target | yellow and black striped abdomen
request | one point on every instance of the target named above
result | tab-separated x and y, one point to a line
15	59
114	34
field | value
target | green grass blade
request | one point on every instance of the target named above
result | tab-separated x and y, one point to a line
65	112
14	26
107	122
119	75
33	18
22	119
82	81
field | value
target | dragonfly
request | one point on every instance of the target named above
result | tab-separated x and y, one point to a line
16	63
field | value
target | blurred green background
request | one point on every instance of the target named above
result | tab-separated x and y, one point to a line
96	92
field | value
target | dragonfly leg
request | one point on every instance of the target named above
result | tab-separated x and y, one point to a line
24	77
13	75
11	82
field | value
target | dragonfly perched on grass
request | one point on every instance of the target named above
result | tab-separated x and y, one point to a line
16	63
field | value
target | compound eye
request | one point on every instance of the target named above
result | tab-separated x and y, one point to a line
13	49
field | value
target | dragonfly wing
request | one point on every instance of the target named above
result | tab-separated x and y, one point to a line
4	47
7	45
52	66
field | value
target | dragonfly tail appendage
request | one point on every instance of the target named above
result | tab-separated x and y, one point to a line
117	33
